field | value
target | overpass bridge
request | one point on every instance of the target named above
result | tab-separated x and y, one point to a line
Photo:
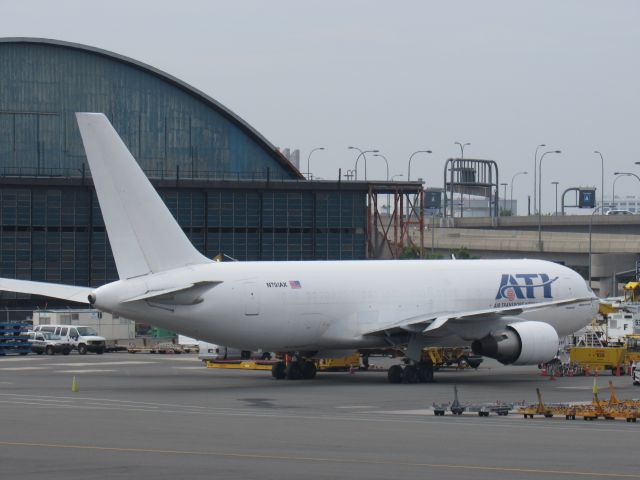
614	240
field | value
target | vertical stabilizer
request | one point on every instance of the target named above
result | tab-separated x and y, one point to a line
144	236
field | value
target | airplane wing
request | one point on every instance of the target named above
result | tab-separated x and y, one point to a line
431	324
55	290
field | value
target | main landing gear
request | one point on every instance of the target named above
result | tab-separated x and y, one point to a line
294	370
419	372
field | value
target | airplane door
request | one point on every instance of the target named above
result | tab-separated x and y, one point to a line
251	299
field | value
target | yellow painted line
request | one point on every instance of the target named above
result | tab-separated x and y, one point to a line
322	460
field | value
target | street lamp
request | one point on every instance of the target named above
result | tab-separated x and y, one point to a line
619	175
535	174
590	228
409	170
556	184
504	198
309	160
362	154
540	196
461	145
512	179
385	161
602	180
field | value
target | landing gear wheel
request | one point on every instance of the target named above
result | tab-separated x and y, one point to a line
308	370
425	372
395	374
278	371
410	374
294	371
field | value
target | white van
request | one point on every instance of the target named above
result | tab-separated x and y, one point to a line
83	339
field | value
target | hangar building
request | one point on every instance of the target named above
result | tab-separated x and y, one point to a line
228	187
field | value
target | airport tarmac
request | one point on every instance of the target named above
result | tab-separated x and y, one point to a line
167	417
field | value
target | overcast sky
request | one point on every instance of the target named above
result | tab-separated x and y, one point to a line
503	75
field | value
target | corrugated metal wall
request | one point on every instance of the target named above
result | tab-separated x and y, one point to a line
56	234
164	126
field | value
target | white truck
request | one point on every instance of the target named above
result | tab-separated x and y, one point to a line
45	342
635	374
81	338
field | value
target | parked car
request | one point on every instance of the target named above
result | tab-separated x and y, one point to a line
619	212
49	343
83	339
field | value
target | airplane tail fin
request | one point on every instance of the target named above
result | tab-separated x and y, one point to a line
144	236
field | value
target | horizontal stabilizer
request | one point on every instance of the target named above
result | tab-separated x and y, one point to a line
55	290
188	294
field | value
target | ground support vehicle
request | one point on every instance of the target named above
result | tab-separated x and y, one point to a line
599	358
483	409
81	338
342	364
240	364
539	408
456	357
13	338
164	347
45	342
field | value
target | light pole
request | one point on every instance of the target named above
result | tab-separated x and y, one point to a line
556	184
590	228
362	154
619	175
409	169
504	198
461	145
512	179
540	196
385	162
535	174
309	160
602	180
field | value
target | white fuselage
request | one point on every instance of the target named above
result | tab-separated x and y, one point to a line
289	306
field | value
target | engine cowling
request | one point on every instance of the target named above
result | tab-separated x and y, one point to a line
520	343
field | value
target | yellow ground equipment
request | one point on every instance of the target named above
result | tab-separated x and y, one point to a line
338	364
632	292
612	409
598	358
539	409
240	364
458	357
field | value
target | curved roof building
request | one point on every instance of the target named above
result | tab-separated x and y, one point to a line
168	125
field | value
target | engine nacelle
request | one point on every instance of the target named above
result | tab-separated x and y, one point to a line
520	343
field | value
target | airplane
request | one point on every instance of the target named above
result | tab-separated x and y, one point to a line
510	310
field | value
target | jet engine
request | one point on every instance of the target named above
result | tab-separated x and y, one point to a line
521	343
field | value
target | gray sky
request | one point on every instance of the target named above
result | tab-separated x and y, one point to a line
503	75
